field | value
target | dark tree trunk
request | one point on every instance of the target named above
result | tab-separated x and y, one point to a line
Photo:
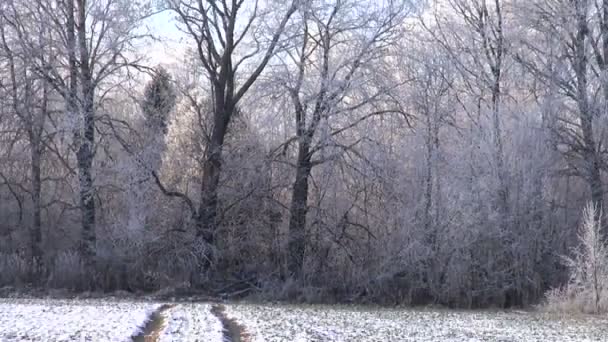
36	131
85	153
597	192
216	56
299	209
591	156
502	173
33	122
594	178
87	199
207	215
432	185
428	181
36	233
207	218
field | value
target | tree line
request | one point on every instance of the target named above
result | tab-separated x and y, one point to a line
392	151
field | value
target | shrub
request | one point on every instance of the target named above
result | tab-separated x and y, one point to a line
587	288
68	272
14	269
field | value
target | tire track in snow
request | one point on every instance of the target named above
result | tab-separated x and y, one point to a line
233	331
153	327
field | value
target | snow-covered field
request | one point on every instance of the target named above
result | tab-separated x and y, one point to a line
67	320
325	323
191	323
112	320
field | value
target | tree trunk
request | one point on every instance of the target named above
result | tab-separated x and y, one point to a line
33	122
429	220
586	113
299	209
594	178
36	233
206	219
597	193
87	197
85	153
501	172
438	198
207	215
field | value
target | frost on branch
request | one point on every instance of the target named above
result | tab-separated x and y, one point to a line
587	288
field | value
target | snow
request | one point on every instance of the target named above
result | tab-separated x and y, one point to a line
113	320
324	323
191	323
71	320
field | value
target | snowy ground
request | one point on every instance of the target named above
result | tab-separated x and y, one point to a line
191	323
66	320
99	320
325	323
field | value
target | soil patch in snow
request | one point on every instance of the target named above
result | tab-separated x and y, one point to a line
154	326
233	331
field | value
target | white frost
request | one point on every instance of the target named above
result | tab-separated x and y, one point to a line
110	321
191	323
71	320
325	323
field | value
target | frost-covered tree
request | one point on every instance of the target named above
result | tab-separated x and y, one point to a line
233	51
589	264
29	96
563	50
345	144
587	288
336	80
97	38
158	103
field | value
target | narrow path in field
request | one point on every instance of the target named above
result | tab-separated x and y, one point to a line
154	326
233	331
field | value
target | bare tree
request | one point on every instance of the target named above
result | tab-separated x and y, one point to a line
588	274
158	103
415	159
29	96
568	71
233	55
328	78
434	102
93	41
475	40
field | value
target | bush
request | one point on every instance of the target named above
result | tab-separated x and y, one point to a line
14	269
68	272
587	288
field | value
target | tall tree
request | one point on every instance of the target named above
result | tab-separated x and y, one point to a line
29	96
96	44
328	80
564	51
233	56
158	102
475	39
